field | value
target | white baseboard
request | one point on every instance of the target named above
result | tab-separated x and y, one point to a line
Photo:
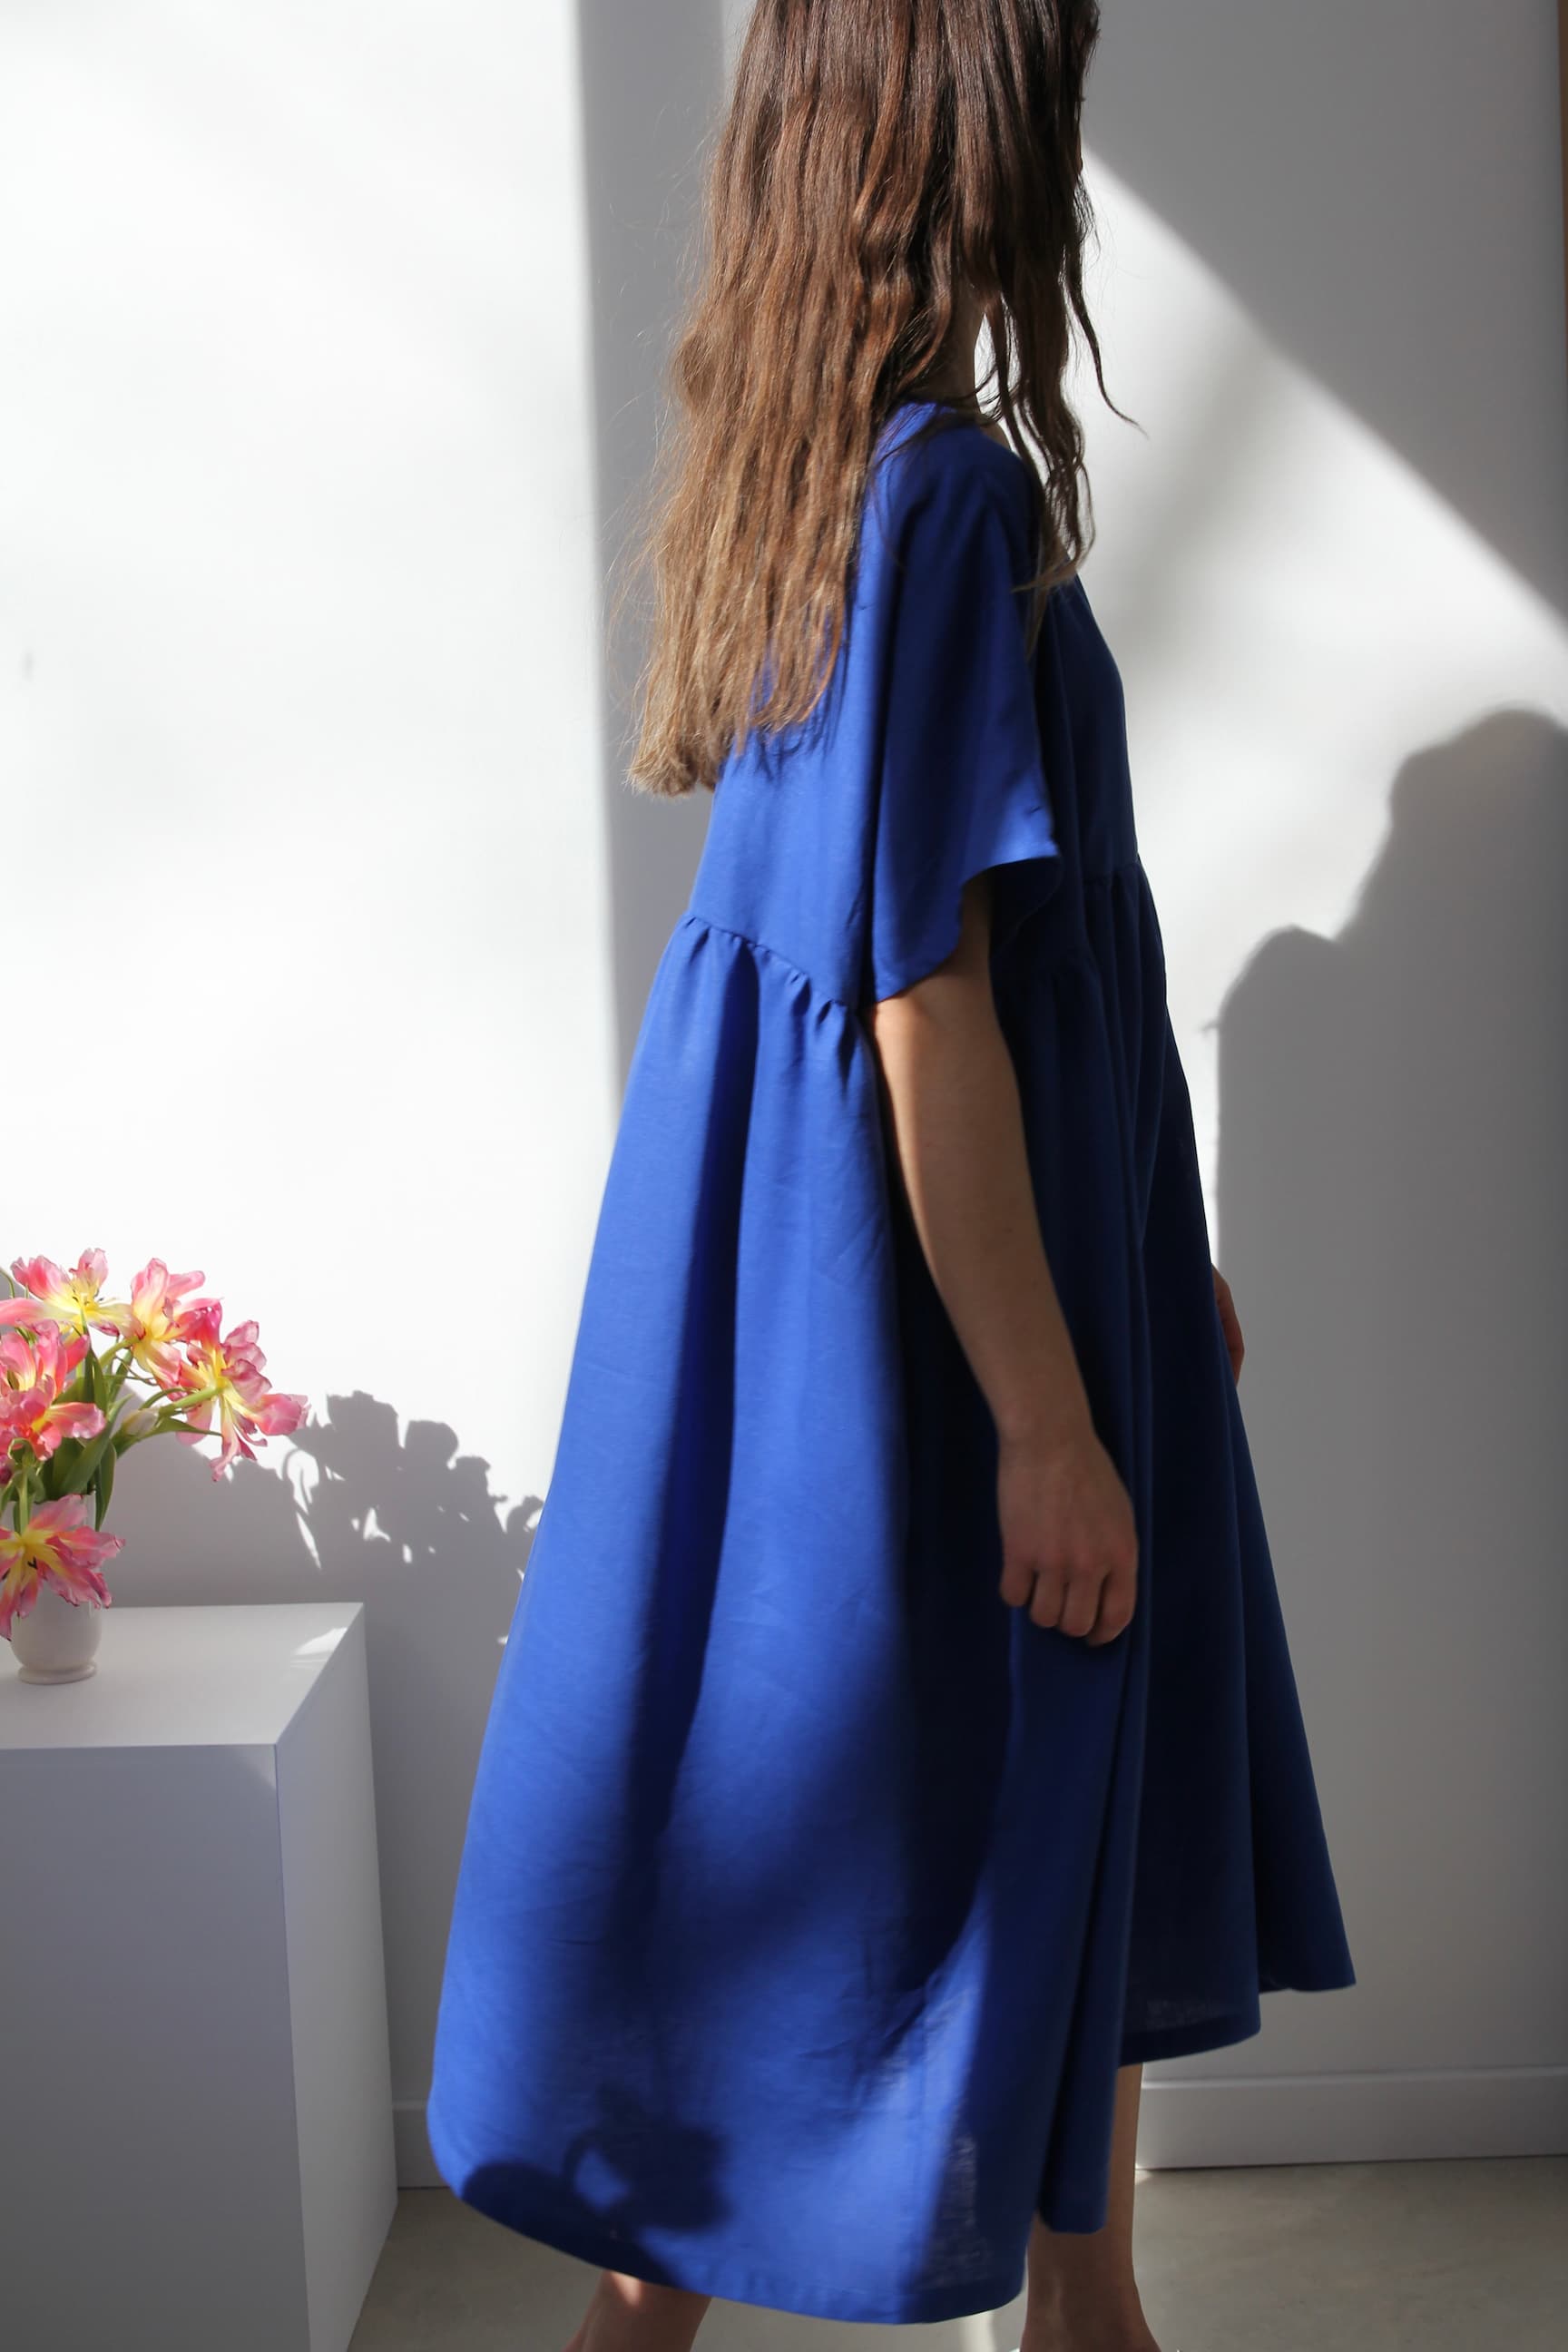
1281	2119
1371	2118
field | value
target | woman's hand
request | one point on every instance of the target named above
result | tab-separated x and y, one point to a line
1228	1323
1069	1541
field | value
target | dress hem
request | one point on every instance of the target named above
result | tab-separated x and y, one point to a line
1223	2032
730	2282
1190	2041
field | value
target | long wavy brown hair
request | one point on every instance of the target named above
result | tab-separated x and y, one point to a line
887	172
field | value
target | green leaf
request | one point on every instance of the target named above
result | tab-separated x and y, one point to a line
104	1482
84	1472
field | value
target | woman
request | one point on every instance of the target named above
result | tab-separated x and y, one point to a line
895	1744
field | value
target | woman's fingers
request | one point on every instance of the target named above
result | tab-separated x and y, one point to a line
1069	1544
1092	1606
1118	1598
1045	1599
1070	1603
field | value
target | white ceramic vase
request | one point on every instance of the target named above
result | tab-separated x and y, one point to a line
56	1640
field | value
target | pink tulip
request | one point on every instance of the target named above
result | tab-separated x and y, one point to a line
55	1297
166	1337
32	1373
232	1366
56	1547
155	1320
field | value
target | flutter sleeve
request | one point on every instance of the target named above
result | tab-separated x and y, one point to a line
962	785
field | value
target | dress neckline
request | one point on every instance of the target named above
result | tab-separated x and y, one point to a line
965	416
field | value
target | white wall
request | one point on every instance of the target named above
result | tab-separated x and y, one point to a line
1335	575
304	805
331	337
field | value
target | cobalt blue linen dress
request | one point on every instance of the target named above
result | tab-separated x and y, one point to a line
811	1895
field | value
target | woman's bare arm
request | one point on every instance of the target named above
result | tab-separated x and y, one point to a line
1070	1546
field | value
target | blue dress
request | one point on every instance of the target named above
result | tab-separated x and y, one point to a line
812	1894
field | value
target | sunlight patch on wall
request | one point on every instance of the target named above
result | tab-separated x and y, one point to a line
299	650
1294	613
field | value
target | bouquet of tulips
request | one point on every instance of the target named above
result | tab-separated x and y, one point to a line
68	1410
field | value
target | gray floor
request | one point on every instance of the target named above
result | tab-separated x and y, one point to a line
1436	2257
